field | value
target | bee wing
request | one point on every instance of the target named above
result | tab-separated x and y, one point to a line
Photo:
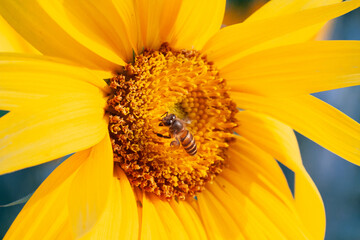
186	120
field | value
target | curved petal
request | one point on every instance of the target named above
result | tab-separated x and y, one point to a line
155	18
184	24
270	135
189	218
90	189
41	76
159	221
196	22
99	27
45	215
311	117
267	216
33	23
280	141
218	221
11	100
306	195
234	42
296	69
11	41
117	222
256	175
131	227
48	128
278	7
42	65
261	166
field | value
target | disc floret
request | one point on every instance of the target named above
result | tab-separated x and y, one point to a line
181	82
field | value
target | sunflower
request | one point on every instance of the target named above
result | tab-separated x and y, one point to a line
111	75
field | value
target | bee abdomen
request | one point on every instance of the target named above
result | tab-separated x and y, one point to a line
188	142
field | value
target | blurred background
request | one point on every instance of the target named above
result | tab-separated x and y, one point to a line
337	180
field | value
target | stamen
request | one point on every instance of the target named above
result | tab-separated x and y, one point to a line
185	84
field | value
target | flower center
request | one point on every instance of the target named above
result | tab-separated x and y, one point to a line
170	121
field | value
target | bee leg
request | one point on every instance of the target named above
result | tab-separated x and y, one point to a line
164	114
175	143
160	135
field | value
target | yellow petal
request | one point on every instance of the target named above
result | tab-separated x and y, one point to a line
50	72
313	118
230	43
278	7
11	100
40	77
196	22
279	140
184	24
11	41
270	135
33	23
159	221
189	218
90	188
49	128
259	170
309	204
130	224
169	16
98	26
45	215
116	222
217	219
154	19
103	75
267	216
297	69
272	208
260	166
139	195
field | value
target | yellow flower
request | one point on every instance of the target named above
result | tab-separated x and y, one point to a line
125	180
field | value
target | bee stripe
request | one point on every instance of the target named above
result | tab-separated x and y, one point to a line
191	149
193	152
187	140
183	138
190	145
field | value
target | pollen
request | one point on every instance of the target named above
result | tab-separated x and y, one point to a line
179	82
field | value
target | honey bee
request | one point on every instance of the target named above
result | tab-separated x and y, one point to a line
178	131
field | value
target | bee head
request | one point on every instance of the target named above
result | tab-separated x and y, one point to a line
167	120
